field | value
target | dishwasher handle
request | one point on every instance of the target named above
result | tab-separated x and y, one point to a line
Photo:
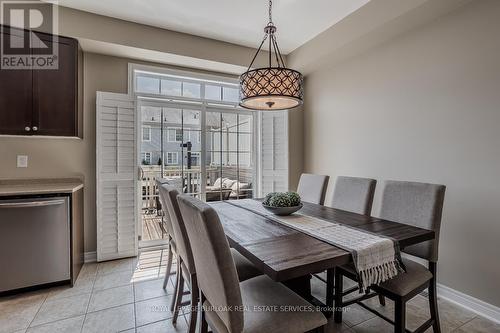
27	204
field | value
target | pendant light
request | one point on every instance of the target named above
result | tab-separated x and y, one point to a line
274	87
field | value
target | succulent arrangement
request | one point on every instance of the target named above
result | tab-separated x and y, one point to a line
282	199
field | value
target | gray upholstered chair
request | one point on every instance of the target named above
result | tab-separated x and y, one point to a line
172	245
420	205
186	271
354	194
312	188
230	305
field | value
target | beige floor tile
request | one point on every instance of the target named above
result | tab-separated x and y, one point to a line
58	309
17	312
114	266
374	325
147	274
153	310
88	270
332	327
151	289
116	319
104	299
164	326
451	316
355	314
70	325
82	286
479	325
113	280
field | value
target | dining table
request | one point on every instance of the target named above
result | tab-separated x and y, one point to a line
291	257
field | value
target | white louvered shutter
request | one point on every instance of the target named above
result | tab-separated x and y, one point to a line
273	151
116	176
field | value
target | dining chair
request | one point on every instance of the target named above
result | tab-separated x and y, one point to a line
230	305
416	204
172	245
354	194
185	262
312	188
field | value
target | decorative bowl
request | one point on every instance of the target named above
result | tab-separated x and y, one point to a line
283	211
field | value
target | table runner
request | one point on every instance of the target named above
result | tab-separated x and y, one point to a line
376	258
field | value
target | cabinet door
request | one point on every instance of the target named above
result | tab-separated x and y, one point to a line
55	92
15	100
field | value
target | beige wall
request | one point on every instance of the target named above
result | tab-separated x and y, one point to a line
424	107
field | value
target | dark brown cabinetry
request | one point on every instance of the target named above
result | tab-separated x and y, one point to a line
44	101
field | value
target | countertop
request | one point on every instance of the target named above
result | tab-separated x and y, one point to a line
39	186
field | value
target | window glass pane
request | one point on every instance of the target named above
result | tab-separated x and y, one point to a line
191	90
232	141
146	133
245	142
230	121
148	85
213	92
230	94
245	123
150	114
171	88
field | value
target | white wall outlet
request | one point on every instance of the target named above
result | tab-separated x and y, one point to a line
22	161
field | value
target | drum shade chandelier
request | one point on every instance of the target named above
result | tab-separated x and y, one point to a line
274	87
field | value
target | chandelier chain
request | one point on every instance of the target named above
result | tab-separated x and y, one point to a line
270	11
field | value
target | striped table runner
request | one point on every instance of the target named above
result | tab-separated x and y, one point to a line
376	258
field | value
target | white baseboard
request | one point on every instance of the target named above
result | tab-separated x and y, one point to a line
90	257
473	304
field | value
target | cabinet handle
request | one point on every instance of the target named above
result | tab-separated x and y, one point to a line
27	128
35	128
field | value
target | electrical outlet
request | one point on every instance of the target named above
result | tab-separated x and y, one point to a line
22	161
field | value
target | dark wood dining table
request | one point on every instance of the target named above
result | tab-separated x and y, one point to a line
290	256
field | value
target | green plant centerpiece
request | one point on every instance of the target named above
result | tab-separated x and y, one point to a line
282	203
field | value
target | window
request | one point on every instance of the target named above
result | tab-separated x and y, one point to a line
172	158
149	85
146	133
174	135
146	158
195	158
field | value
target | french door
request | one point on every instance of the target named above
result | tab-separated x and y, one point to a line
204	151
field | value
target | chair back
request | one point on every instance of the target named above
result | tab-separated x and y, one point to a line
312	188
417	204
354	194
179	229
215	268
162	194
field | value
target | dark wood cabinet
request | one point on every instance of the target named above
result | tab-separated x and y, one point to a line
44	101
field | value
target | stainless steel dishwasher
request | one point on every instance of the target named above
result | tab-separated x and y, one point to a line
34	242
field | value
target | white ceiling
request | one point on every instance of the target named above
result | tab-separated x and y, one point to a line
236	21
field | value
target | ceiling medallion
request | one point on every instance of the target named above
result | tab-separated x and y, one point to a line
274	87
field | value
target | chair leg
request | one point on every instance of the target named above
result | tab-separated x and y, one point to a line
400	316
195	297
381	299
433	305
178	296
330	285
176	289
339	286
169	265
203	321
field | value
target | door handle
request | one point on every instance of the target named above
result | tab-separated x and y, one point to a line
27	128
35	128
27	204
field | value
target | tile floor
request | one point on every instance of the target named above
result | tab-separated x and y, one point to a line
127	296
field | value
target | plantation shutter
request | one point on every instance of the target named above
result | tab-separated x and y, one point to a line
273	151
116	191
